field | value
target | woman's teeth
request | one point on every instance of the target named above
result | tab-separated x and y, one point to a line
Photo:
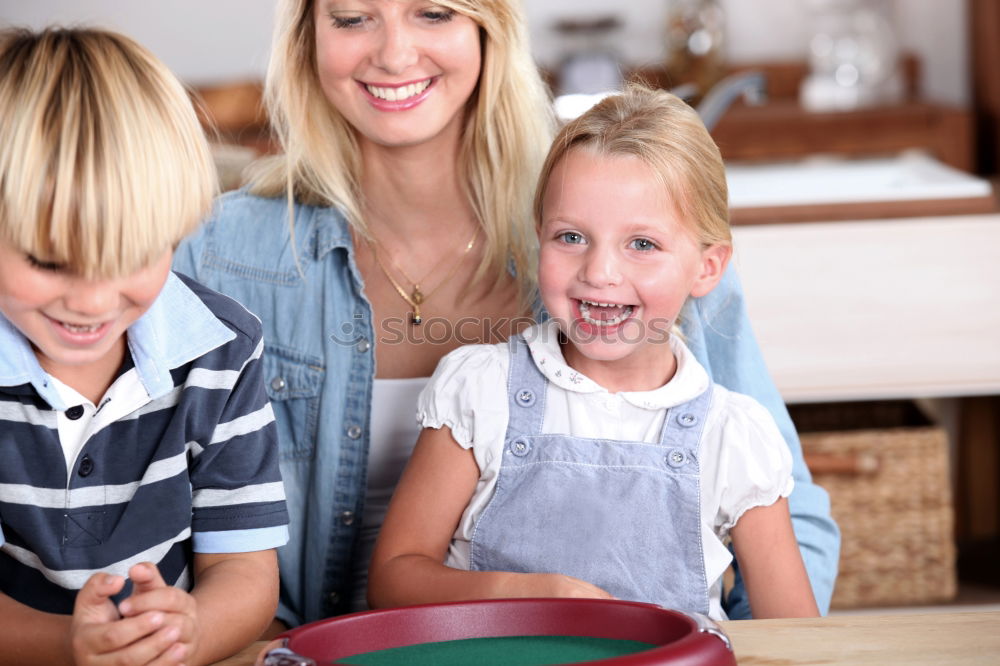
400	93
590	308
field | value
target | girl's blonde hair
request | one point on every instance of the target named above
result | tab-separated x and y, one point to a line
508	125
103	164
668	136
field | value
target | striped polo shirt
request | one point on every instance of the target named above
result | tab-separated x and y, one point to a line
179	456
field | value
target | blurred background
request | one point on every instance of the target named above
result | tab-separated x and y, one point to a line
862	150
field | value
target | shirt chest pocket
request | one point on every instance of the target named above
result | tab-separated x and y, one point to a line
293	384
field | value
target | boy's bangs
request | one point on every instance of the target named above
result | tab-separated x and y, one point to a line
103	164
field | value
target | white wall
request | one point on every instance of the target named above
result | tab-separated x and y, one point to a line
206	41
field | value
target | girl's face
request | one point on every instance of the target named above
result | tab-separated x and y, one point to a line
400	71
617	263
74	323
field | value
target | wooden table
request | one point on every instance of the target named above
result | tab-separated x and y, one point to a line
937	638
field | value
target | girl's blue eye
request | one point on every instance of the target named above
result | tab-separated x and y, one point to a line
643	244
42	265
571	237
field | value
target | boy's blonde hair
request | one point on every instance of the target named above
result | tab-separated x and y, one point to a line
668	136
103	164
508	125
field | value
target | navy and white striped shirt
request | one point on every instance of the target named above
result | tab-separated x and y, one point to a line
181	455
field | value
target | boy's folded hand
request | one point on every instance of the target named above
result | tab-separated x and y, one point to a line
151	595
100	635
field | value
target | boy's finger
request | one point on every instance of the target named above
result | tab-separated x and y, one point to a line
120	634
145	577
92	601
166	599
148	648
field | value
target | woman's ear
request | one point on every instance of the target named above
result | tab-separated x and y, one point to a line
714	260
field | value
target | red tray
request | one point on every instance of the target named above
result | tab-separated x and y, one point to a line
682	638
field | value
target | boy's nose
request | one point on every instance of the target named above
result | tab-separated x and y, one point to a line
92	298
397	50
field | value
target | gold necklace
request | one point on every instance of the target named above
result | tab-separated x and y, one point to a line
416	297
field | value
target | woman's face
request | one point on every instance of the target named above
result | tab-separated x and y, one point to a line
400	71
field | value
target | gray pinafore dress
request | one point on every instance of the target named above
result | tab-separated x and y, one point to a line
622	515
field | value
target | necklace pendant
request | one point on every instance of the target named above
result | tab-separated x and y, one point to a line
416	295
415	318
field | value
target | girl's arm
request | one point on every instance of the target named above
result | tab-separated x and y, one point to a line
408	567
773	572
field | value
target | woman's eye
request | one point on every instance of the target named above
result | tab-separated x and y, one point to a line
570	237
643	244
346	21
43	265
438	14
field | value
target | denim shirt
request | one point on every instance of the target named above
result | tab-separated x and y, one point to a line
319	362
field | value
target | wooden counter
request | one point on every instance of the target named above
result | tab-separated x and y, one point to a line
941	638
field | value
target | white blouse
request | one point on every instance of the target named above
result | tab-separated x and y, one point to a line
744	460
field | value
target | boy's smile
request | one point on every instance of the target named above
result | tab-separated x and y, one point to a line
616	265
76	326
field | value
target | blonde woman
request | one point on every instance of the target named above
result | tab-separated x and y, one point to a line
396	227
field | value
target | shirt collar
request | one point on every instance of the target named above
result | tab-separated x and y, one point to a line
176	329
689	381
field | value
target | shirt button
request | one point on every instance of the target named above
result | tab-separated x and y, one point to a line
278	383
86	466
354	431
363	346
347	517
75	412
334	598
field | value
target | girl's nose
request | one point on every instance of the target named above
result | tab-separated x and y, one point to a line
600	268
397	50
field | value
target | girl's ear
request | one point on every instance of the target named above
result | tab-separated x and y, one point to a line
714	260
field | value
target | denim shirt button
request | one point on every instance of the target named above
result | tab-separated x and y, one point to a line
347	517
676	458
278	384
363	346
354	431
687	419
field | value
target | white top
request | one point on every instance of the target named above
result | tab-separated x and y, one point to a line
744	460
392	436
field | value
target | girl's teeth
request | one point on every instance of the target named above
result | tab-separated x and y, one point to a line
400	93
585	313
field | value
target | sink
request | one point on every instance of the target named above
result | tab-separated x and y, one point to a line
909	176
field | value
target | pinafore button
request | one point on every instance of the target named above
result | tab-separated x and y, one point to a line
687	419
676	458
520	448
526	397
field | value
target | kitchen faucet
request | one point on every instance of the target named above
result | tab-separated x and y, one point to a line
750	85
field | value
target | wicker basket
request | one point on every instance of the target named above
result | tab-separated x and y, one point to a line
886	469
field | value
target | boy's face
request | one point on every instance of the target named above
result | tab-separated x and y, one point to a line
74	323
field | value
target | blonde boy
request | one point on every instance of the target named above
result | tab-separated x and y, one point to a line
140	498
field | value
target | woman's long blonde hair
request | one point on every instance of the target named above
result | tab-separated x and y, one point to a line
103	164
507	130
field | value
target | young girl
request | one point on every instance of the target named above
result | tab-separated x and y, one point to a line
612	467
140	498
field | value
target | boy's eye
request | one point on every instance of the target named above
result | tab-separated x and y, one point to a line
43	265
570	237
642	244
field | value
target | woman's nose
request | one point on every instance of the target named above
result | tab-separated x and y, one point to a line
600	268
397	49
